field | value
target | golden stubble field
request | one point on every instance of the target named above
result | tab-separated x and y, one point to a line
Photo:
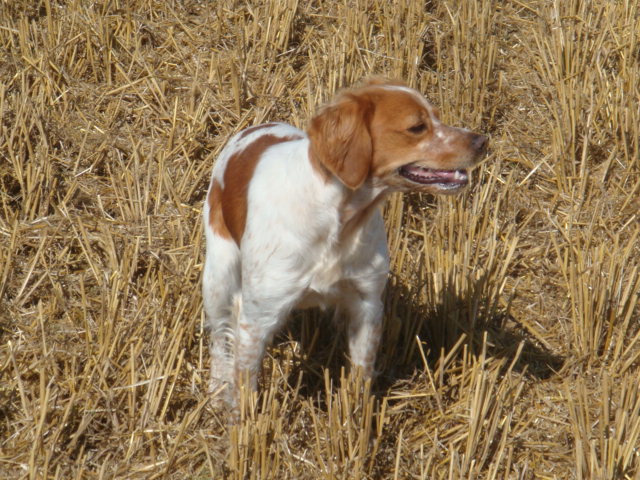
512	334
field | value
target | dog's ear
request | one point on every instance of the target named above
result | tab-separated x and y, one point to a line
341	140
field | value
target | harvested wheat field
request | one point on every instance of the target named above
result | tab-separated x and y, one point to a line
512	321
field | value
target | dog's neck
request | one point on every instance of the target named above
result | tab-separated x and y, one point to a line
358	205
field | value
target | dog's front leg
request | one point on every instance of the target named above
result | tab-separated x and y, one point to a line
365	330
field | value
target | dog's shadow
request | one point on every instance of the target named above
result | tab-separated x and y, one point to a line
440	328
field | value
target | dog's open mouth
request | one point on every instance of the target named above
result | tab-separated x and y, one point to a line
439	178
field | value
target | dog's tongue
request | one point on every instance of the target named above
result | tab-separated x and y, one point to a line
426	175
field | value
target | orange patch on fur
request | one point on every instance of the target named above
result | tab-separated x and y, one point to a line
237	176
216	217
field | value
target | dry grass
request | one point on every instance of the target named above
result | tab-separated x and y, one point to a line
513	320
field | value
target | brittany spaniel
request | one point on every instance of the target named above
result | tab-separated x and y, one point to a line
292	221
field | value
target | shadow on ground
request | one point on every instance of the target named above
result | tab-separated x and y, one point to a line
439	328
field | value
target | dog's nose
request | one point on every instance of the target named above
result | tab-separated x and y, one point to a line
479	143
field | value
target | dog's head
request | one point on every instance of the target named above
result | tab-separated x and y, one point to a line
391	134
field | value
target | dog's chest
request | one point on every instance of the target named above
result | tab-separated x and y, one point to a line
328	279
327	273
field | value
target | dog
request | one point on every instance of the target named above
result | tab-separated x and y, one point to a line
291	220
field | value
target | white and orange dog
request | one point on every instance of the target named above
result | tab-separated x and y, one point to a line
291	219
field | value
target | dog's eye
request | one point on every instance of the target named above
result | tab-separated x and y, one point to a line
418	128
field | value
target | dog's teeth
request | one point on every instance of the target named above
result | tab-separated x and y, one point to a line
460	175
